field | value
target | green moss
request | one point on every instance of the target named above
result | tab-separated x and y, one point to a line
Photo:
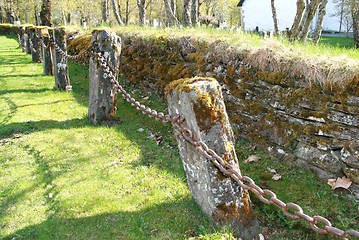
184	84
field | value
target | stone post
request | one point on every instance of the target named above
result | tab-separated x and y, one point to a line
35	51
102	95
201	103
27	40
22	38
46	53
61	69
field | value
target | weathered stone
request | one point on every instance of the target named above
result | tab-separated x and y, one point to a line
47	56
200	101
61	69
352	174
344	118
35	47
350	154
102	94
321	159
27	40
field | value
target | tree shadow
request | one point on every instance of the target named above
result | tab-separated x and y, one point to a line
38	90
7	130
156	222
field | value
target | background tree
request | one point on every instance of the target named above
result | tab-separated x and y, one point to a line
187	13
141	12
275	19
195	12
319	24
105	11
170	15
116	11
354	9
45	13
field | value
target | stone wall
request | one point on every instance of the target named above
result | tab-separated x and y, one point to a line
274	105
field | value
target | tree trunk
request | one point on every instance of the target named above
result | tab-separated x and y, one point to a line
187	13
105	12
45	13
171	18
354	9
116	12
141	12
195	12
127	11
298	16
307	19
319	24
275	19
1	15
174	7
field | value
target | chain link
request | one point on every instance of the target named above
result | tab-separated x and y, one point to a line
81	58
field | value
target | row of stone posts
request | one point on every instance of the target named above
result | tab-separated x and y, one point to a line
198	100
54	63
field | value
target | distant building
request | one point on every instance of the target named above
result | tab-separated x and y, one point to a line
259	13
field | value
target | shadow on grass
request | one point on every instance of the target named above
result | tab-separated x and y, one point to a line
39	90
140	224
6	130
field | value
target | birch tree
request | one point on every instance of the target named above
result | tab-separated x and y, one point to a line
116	12
195	12
105	11
319	24
298	16
275	19
141	12
187	13
354	9
170	15
307	19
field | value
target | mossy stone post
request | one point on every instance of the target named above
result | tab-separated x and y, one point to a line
46	53
201	103
22	38
27	40
102	94
61	69
35	51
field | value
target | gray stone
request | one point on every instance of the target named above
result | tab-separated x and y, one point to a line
352	174
321	159
61	68
200	101
344	118
102	94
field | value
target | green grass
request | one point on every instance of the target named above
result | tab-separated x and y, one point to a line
61	178
339	42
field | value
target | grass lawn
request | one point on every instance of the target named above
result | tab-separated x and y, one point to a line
61	178
339	42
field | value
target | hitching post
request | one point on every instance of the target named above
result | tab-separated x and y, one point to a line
35	53
102	95
61	69
46	53
201	103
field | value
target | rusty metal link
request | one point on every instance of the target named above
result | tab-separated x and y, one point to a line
80	58
44	45
108	73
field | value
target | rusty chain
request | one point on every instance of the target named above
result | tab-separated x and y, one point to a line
80	58
108	73
291	210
